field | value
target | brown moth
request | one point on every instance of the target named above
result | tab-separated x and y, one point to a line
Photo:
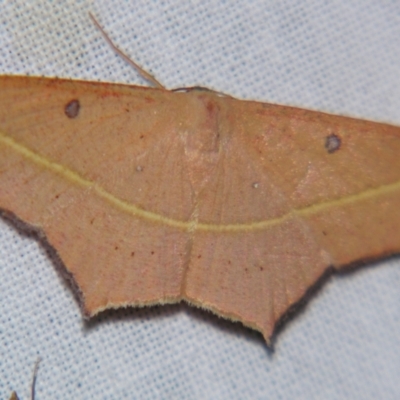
152	196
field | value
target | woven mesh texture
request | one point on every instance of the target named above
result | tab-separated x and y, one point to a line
337	56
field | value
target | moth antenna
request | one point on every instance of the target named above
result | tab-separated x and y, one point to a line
34	375
150	78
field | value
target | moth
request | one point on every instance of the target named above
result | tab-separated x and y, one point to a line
153	196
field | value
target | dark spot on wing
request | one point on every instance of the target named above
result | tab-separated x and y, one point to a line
72	108
332	143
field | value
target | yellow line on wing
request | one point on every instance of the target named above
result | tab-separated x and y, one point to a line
131	209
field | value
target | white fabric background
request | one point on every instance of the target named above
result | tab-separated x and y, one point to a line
337	56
